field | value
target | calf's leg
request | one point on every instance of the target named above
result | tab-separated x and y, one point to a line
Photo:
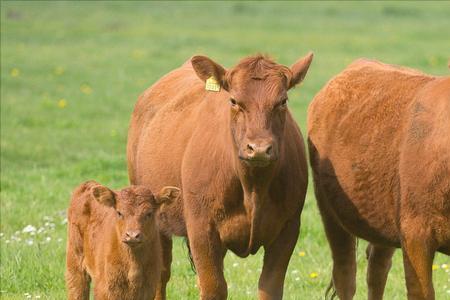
77	279
166	246
276	260
379	263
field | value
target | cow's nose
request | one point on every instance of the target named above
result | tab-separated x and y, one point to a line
259	151
134	236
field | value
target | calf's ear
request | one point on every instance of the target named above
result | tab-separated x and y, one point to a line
206	68
299	70
167	195
104	195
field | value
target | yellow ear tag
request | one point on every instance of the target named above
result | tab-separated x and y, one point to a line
212	84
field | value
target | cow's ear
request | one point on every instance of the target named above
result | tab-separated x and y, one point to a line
104	195
299	70
207	68
167	194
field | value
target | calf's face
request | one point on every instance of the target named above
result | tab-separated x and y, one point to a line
135	207
257	87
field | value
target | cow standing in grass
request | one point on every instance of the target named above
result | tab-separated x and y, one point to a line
239	156
379	140
113	239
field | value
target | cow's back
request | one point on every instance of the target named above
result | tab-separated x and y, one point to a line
356	125
165	99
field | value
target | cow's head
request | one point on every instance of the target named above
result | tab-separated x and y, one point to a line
135	208
257	88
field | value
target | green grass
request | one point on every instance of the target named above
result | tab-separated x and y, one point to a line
100	56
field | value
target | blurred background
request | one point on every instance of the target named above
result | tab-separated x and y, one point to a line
72	71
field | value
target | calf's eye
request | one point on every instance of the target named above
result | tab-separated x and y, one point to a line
119	214
149	215
233	102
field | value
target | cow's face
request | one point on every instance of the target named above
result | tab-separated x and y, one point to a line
136	209
258	99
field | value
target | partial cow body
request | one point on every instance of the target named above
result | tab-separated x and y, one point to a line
379	140
243	187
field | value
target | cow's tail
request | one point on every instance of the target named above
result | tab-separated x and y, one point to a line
191	259
330	293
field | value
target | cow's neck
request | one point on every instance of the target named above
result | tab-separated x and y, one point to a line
255	185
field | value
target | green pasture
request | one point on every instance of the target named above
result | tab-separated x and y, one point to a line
72	71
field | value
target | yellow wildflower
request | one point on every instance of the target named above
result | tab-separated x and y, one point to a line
62	103
58	71
301	253
15	72
86	89
313	275
434	267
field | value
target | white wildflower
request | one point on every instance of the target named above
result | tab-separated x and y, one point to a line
28	229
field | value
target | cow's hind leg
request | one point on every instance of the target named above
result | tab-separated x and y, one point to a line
276	260
418	255
379	263
343	249
166	246
208	254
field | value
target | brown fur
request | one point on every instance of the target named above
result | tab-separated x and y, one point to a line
239	157
379	140
113	239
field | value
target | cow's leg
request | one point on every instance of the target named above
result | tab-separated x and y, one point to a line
276	260
208	254
379	263
166	246
418	255
343	251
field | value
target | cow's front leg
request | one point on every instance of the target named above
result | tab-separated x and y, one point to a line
276	260
208	253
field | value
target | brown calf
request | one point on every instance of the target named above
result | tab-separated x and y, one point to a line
240	160
379	140
113	239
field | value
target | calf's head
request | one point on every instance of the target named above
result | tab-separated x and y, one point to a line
135	208
257	88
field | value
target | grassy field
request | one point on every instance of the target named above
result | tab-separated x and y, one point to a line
70	75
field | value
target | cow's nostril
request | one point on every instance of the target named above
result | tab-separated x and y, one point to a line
269	150
250	148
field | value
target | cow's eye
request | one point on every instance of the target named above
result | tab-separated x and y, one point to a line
149	215
283	103
233	102
119	214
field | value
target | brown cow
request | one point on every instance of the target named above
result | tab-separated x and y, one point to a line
113	239
239	157
379	140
